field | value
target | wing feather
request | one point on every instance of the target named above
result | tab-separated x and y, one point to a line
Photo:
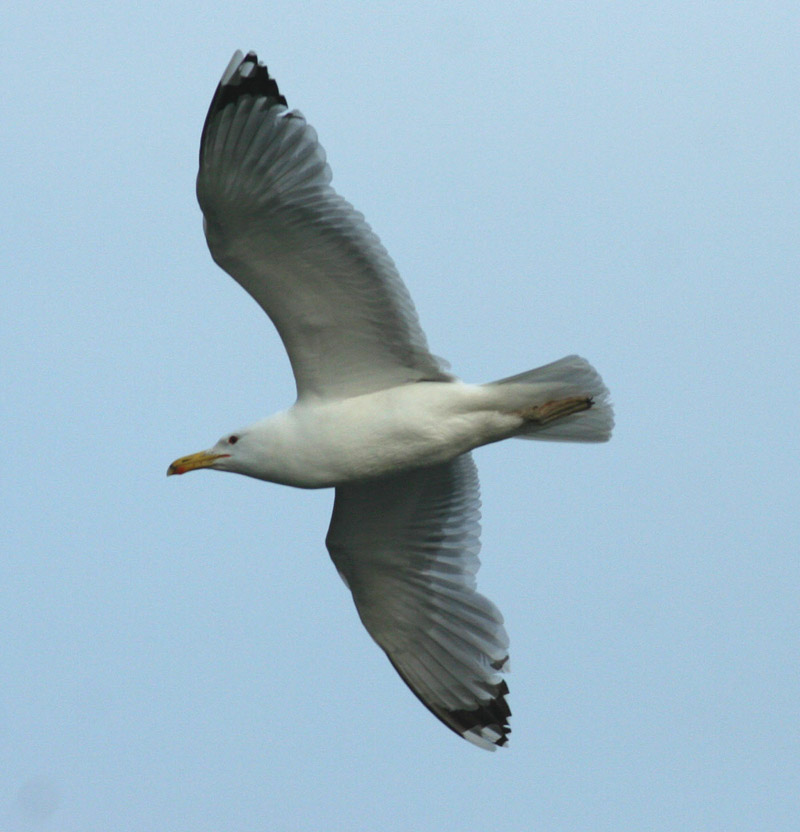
407	546
274	223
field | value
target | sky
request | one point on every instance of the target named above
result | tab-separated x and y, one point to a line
618	180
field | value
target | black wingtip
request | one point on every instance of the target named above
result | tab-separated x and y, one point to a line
485	724
248	77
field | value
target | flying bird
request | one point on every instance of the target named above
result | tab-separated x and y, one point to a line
377	416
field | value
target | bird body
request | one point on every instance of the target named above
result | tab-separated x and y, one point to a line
321	444
325	443
377	416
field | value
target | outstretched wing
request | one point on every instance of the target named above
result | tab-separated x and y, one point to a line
407	546
274	223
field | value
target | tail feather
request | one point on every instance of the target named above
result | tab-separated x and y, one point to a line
565	378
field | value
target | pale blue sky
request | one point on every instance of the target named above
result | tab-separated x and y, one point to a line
614	179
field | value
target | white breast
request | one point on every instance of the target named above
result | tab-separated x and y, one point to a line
322	444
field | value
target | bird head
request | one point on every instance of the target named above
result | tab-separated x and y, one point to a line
224	456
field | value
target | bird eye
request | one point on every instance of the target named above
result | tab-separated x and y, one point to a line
232	440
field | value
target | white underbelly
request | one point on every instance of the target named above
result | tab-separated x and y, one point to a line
326	444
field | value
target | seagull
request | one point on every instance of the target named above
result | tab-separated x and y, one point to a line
377	416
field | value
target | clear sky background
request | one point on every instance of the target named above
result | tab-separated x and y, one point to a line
618	180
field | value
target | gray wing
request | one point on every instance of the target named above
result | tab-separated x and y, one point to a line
274	223
407	546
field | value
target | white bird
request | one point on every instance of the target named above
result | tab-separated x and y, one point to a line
376	416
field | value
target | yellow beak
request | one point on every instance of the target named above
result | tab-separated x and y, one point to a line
189	463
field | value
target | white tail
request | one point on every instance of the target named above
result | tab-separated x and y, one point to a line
567	377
